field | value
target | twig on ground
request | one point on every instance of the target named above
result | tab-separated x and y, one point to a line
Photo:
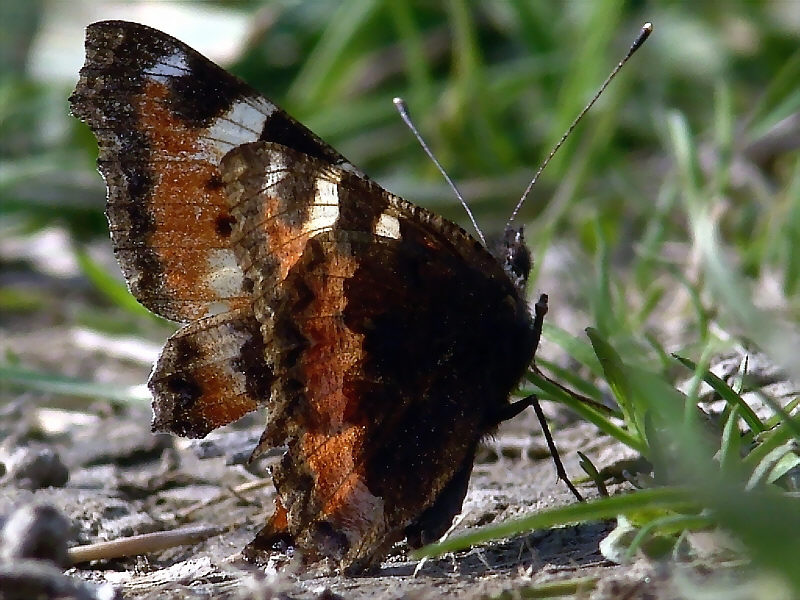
141	544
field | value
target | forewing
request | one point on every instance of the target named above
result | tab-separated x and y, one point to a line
164	116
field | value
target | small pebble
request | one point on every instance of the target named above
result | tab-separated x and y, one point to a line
35	467
36	532
29	579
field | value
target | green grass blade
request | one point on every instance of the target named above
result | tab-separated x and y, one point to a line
602	422
771	440
726	392
111	287
730	447
669	524
617	379
575	347
676	499
71	386
571	379
326	64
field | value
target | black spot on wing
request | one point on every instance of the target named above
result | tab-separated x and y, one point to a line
224	225
185	389
360	204
259	374
282	129
215	182
205	92
176	396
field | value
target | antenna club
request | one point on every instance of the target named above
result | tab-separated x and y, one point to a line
647	29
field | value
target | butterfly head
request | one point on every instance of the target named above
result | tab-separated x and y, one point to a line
515	256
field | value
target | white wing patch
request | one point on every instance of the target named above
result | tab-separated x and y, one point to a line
225	277
242	123
325	209
387	226
277	171
173	65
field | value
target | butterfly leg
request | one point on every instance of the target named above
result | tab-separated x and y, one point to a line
509	411
539	311
560	471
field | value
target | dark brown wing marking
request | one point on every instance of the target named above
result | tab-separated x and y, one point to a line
369	379
210	373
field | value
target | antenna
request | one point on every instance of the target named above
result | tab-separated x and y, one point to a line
645	32
402	108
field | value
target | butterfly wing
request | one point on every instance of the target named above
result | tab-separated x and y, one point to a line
371	309
164	116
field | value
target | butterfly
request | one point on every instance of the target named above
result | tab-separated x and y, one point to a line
381	340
